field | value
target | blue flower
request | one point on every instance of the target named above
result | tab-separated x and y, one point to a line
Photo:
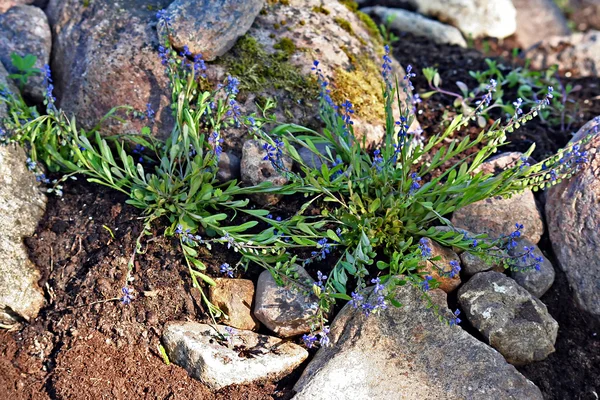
425	283
163	17
324	249
408	76
320	279
386	68
226	269
455	320
127	296
309	340
199	66
377	160
149	111
324	341
415	185
424	247
455	268
231	88
357	299
215	141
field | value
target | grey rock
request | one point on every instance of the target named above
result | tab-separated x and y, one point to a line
22	205
477	18
573	215
285	310
234	297
312	160
414	23
512	321
406	353
104	54
229	167
578	53
256	170
208	27
536	282
440	269
538	20
25	30
473	263
216	362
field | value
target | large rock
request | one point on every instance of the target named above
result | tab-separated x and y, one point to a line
286	310
513	321
408	353
105	55
537	282
208	27
441	269
25	30
573	215
22	205
234	297
538	20
219	357
255	170
406	21
578	53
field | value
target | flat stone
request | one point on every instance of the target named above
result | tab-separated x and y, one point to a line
513	322
25	30
408	353
209	27
285	310
234	297
204	351
438	269
536	282
573	216
22	205
256	170
538	20
406	21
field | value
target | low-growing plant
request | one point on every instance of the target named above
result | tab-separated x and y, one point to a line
531	87
378	208
25	68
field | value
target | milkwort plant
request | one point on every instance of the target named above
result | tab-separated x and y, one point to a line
383	204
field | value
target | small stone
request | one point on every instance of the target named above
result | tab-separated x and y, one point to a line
408	353
440	269
234	297
472	263
218	357
229	167
536	282
406	21
513	322
255	170
285	310
25	30
209	27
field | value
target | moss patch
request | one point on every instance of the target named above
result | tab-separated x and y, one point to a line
362	86
344	24
350	5
321	9
258	70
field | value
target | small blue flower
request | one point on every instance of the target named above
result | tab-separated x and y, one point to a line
149	111
226	269
455	268
309	340
425	283
455	320
424	247
127	296
415	185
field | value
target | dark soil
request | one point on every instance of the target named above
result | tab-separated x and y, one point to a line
87	345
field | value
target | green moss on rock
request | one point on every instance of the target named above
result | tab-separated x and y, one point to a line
321	9
259	70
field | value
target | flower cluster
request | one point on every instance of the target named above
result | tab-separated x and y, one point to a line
415	185
227	270
386	68
358	300
186	236
487	98
424	284
275	154
455	320
50	99
512	243
323	247
321	280
455	268
424	248
310	340
215	142
127	296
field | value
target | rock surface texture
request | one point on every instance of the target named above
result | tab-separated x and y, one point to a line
223	358
513	321
538	20
578	53
22	205
573	215
25	30
208	27
284	309
255	169
408	353
234	297
406	21
536	282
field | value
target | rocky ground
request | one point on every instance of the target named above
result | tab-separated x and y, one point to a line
63	260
